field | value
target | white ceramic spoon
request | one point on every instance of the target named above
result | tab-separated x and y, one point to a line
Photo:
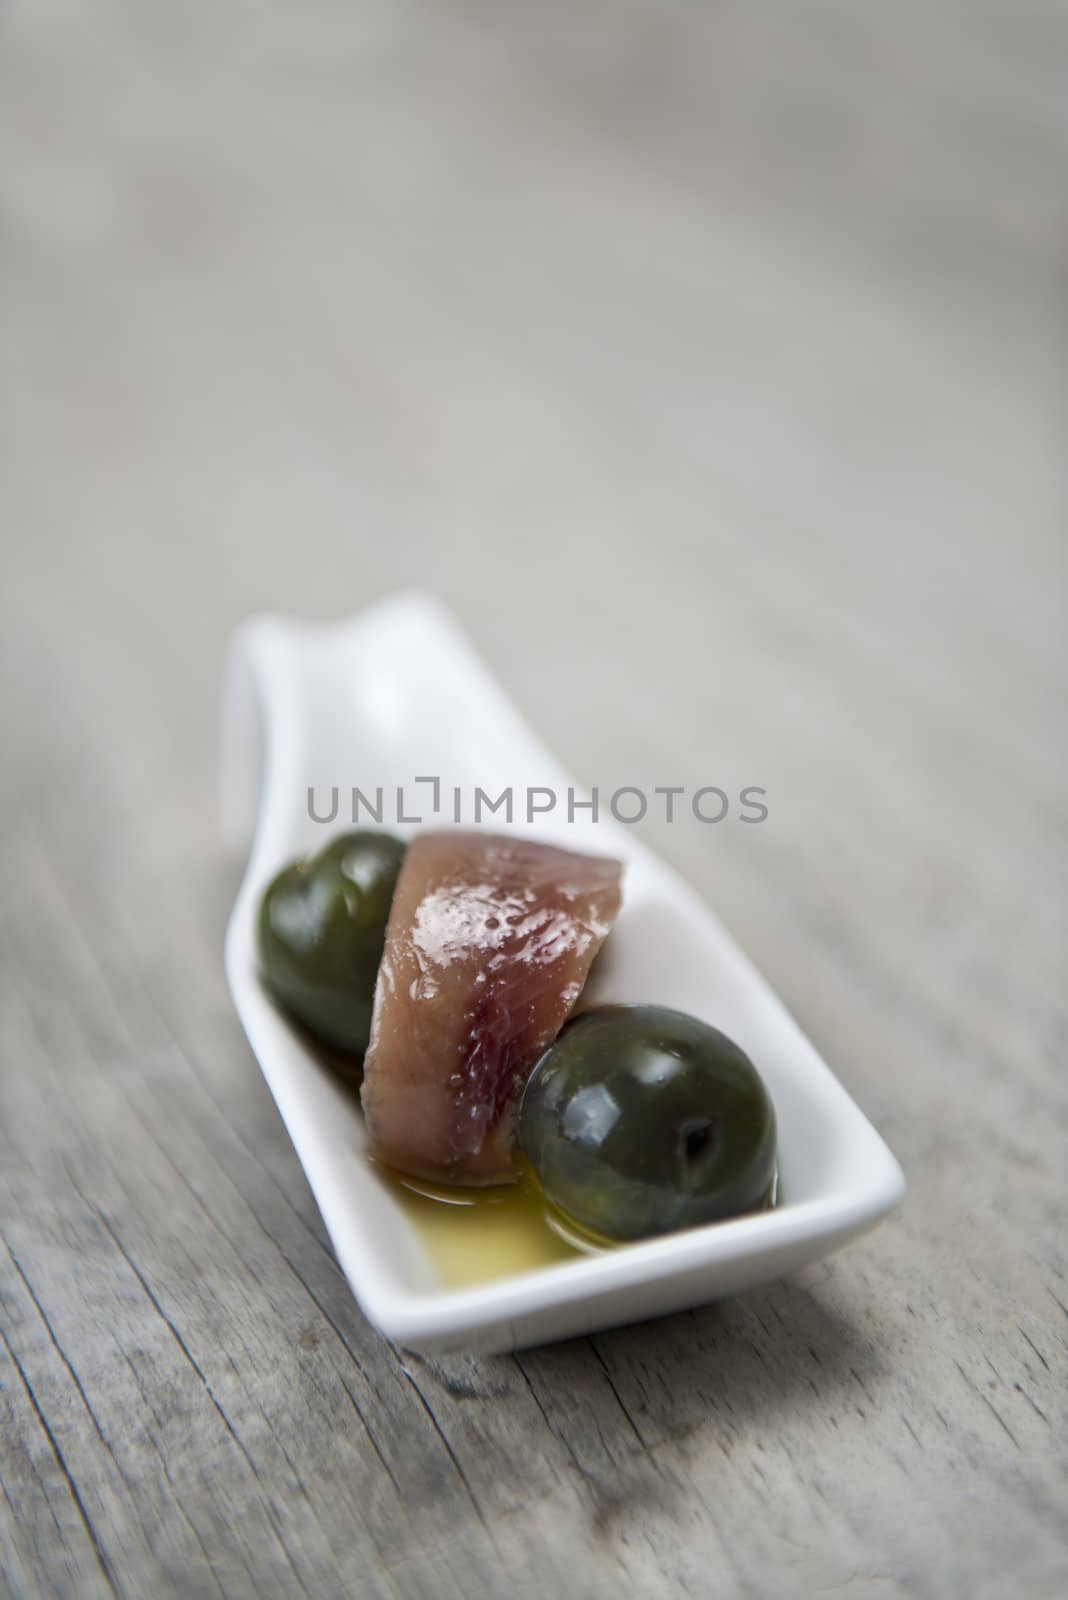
395	694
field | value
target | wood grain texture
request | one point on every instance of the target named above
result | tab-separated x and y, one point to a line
710	363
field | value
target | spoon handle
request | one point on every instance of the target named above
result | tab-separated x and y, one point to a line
268	707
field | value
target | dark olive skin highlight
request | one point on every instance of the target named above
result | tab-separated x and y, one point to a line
321	932
640	1120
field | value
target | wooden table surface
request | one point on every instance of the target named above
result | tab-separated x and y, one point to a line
710	364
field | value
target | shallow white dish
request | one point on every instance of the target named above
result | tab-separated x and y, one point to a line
394	694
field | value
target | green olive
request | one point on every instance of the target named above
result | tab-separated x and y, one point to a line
640	1120
322	927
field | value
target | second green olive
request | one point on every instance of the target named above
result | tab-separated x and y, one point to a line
640	1120
321	932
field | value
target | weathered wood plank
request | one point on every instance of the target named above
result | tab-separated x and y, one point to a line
724	347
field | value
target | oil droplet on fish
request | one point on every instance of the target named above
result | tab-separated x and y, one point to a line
478	1235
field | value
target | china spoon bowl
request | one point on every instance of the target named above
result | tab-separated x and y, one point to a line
385	703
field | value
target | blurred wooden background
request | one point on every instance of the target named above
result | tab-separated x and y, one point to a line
710	362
